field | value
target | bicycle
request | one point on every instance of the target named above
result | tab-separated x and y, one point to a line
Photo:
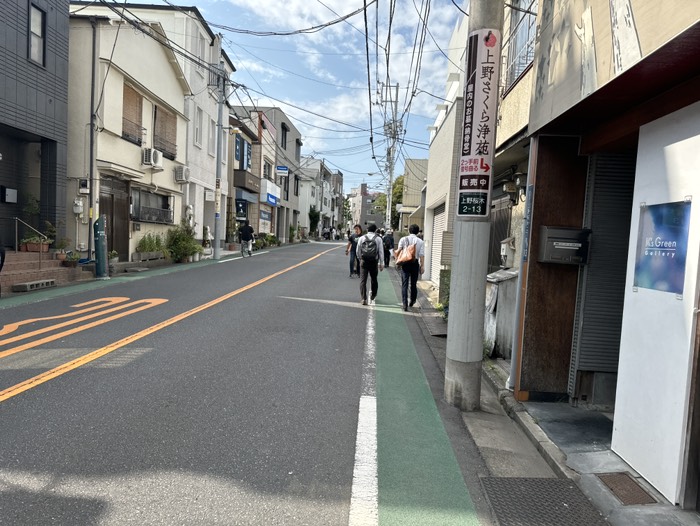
246	246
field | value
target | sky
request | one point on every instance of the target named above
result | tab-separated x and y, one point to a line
320	78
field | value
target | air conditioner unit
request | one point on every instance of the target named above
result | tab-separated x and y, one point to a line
182	174
157	159
147	156
152	157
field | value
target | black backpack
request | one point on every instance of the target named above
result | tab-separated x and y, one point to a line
369	249
387	242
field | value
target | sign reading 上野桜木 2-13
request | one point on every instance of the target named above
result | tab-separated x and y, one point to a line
479	124
662	246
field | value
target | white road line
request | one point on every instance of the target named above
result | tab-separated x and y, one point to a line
364	509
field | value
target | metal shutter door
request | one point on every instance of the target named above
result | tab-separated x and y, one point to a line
601	287
439	223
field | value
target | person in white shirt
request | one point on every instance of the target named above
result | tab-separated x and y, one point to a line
370	254
410	270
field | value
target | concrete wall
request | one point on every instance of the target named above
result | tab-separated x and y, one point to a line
658	330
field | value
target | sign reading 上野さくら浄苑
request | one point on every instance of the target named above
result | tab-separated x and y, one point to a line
478	125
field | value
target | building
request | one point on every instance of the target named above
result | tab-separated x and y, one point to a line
363	208
315	178
33	116
244	179
415	177
614	131
178	128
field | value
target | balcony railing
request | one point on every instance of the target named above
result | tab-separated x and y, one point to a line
154	215
168	148
132	131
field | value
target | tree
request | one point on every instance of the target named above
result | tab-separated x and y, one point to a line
396	198
314	217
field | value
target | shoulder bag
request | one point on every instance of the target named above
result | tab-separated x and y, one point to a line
406	254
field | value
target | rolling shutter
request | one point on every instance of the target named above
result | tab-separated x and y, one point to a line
601	286
439	224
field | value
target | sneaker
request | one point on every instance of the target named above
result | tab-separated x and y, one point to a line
405	307
364	302
412	304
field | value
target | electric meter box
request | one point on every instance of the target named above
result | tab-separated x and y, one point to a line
568	246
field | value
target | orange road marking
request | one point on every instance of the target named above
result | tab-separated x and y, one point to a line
145	304
69	322
78	362
11	327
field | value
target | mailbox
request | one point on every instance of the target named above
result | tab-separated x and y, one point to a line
564	245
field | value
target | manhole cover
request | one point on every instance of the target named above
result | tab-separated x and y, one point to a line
539	502
626	489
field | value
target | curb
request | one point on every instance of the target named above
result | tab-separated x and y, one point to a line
551	453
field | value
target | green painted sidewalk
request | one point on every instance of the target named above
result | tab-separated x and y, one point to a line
420	482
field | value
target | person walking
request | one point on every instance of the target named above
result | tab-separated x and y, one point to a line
246	238
388	240
351	249
370	253
410	270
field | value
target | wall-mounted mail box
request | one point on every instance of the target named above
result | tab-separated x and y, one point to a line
564	245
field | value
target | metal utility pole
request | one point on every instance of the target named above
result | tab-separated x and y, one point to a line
392	130
219	152
465	334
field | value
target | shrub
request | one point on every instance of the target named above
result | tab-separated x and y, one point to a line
151	242
181	243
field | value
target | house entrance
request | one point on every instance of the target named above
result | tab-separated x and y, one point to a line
114	203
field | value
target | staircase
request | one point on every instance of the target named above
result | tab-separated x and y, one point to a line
22	273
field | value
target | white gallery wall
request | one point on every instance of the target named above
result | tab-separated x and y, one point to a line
651	408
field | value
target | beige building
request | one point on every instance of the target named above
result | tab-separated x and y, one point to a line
415	177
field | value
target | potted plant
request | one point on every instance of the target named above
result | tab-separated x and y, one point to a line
71	260
35	244
61	245
113	257
181	242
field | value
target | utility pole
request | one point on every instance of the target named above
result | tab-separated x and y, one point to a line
220	84
465	334
392	130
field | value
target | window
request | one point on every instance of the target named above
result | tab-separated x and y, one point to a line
267	170
198	124
132	109
285	130
202	54
296	185
298	149
165	133
212	137
37	27
521	39
149	207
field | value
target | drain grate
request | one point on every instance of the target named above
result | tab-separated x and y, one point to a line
626	489
539	502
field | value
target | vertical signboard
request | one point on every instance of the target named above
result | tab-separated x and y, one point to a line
662	247
479	125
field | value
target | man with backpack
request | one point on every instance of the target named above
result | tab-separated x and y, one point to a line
370	253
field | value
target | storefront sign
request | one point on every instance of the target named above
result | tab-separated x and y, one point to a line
479	125
241	209
662	246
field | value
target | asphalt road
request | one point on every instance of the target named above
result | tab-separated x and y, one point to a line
227	392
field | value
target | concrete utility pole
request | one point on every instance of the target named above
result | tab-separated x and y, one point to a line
465	333
392	130
219	152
